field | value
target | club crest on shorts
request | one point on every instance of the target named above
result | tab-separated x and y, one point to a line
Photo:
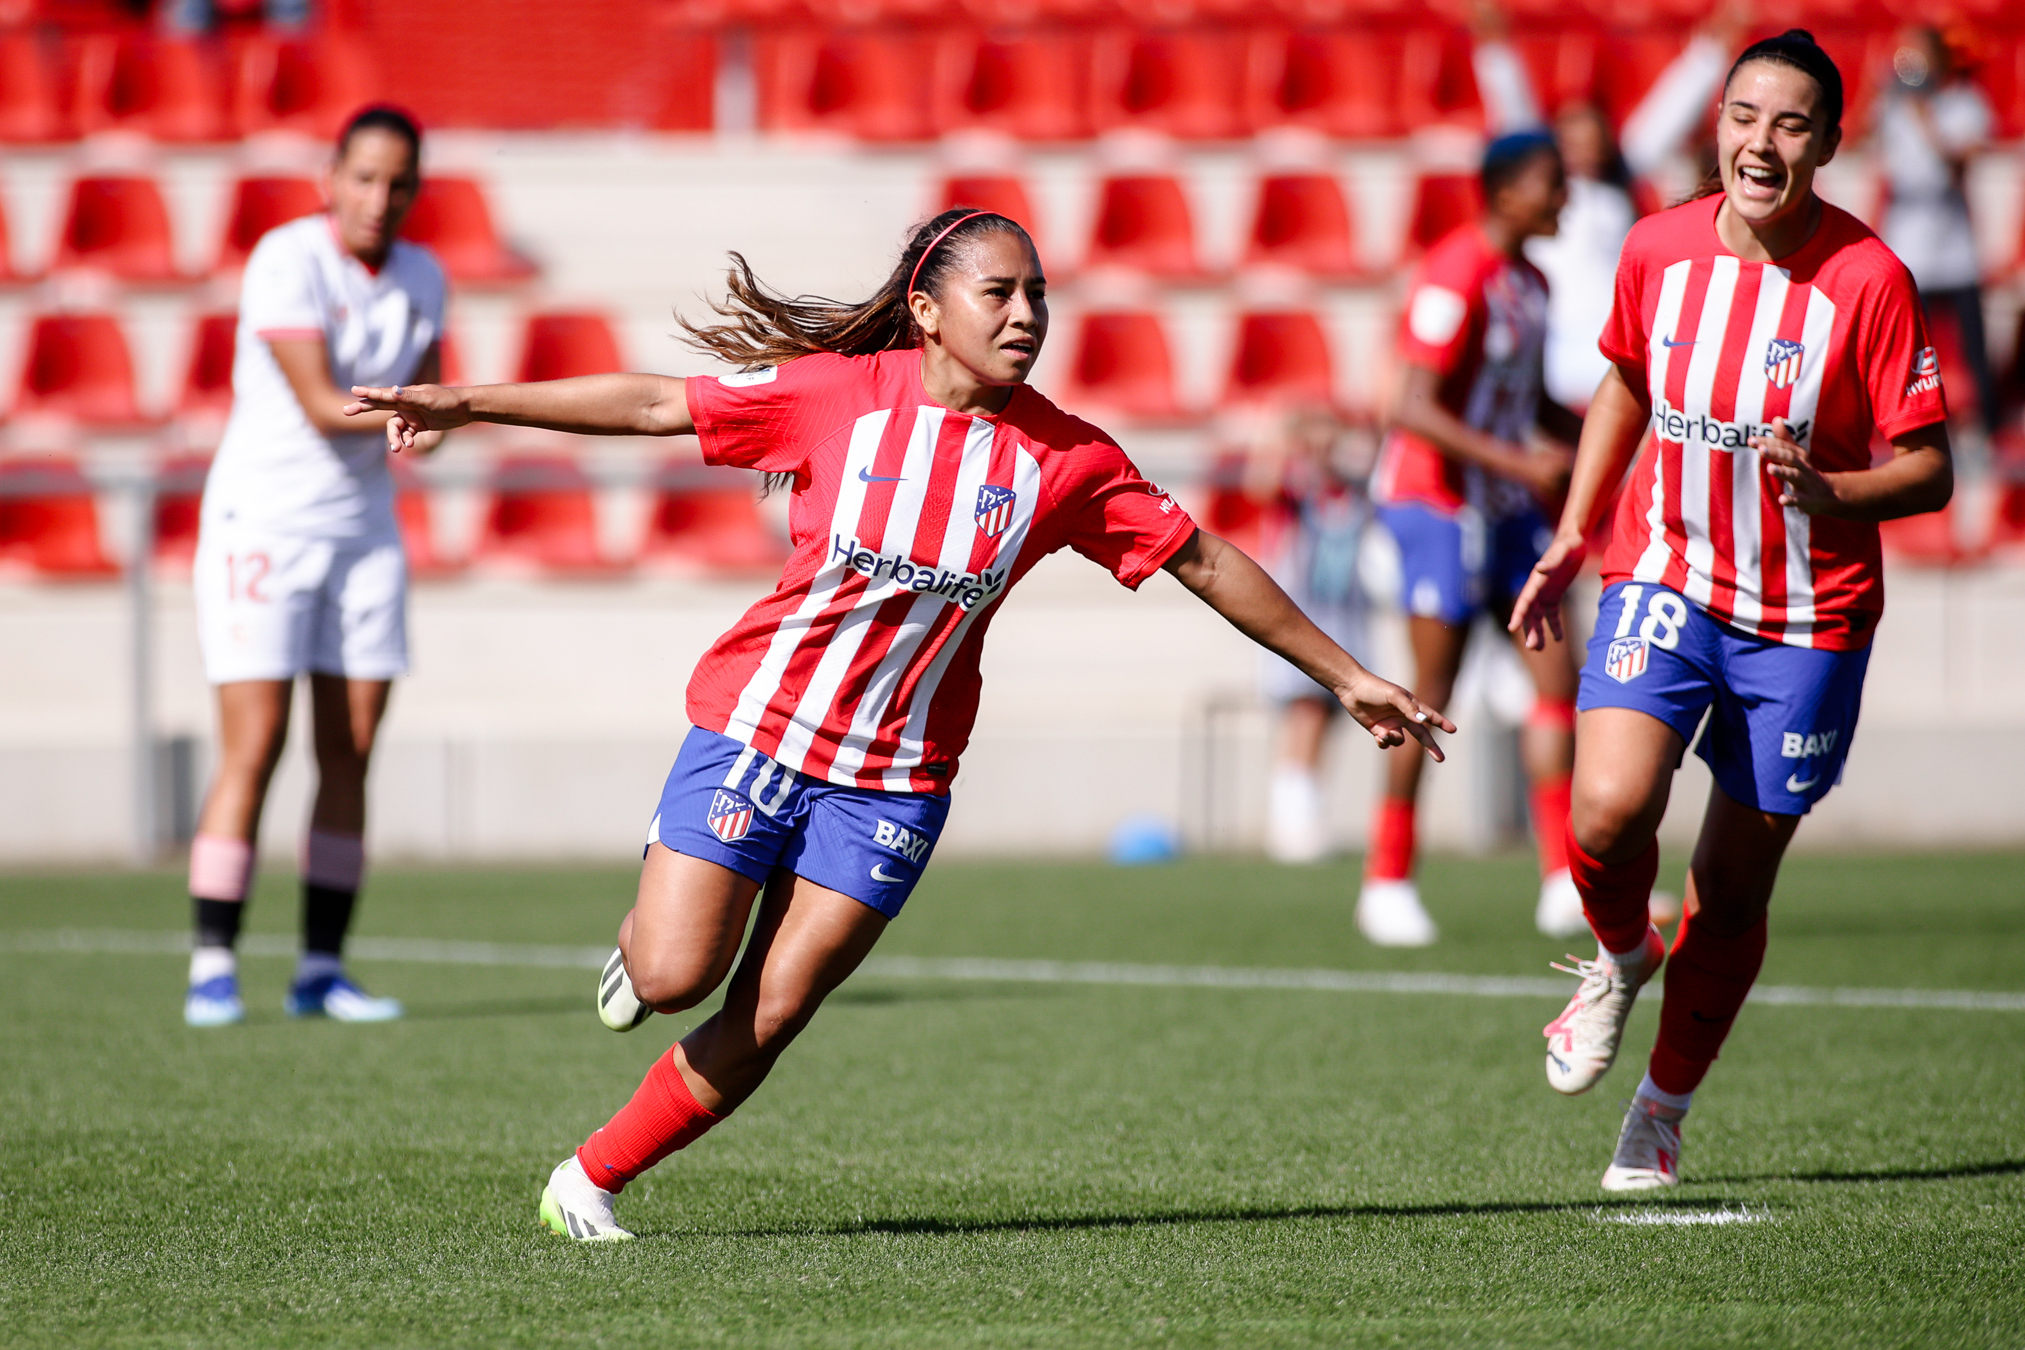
1782	362
995	508
1626	659
730	816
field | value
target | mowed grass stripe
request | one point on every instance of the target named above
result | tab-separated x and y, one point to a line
133	942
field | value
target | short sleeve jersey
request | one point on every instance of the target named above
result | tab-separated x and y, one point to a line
909	523
274	470
1830	338
1479	320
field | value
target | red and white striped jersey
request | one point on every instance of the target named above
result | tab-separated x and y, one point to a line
909	523
1830	338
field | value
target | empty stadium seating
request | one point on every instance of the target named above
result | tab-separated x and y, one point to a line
207	384
301	85
417	522
49	523
1281	358
556	346
1441	203
708	521
1144	225
1121	363
78	368
118	224
163	88
30	113
1002	193
871	83
1302	221
1188	84
258	205
1033	85
450	217
540	517
179	499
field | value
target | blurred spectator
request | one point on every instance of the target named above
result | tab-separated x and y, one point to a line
1929	122
1308	476
199	16
1580	262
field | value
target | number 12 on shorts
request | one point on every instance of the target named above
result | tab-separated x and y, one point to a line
1664	616
243	574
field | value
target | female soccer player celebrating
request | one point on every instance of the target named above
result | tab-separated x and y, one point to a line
299	568
1762	335
927	480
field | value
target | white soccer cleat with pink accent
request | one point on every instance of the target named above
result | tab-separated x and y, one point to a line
1582	1041
1648	1149
1391	915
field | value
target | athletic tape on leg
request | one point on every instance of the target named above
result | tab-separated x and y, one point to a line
221	867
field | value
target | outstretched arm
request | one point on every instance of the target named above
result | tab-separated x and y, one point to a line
1239	589
305	363
588	405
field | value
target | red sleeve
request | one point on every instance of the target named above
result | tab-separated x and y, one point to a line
1118	518
1626	335
1899	367
761	419
1445	306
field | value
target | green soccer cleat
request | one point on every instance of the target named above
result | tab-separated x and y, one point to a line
578	1210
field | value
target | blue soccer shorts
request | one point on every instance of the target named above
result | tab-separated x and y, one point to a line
1453	564
726	803
1780	718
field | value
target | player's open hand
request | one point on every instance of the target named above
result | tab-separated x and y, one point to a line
1537	611
1391	714
1800	483
417	410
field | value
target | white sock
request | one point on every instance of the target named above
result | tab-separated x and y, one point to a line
316	965
208	963
1634	957
1651	1091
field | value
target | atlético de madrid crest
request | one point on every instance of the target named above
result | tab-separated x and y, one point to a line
1626	659
1782	362
995	509
730	816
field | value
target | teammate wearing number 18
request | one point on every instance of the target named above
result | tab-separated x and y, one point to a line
1762	335
927	480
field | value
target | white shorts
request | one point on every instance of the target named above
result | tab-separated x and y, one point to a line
274	606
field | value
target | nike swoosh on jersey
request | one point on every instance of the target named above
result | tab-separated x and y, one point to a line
879	873
1684	342
1793	783
867	476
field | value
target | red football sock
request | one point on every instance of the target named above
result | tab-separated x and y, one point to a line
1615	897
1550	823
662	1117
1707	977
1389	855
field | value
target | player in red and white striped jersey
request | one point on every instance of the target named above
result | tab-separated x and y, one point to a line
927	480
1765	337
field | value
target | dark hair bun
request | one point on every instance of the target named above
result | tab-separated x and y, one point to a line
1797	48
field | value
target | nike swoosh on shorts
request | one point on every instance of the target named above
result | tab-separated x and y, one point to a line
879	873
866	476
1794	785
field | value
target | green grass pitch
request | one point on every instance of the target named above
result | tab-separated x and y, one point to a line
978	1164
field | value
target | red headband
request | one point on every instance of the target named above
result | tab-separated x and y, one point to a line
938	239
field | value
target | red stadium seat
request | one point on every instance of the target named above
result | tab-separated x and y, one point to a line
992	192
49	523
451	219
708	520
541	517
1924	541
207	388
873	84
1303	222
179	499
559	345
1342	82
1627	66
29	111
1031	84
259	205
164	88
1281	358
1143	223
1228	511
118	225
1442	203
1122	364
687	67
309	87
1188	84
78	368
416	522
7	270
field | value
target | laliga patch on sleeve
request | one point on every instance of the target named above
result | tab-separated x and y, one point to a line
1436	315
764	375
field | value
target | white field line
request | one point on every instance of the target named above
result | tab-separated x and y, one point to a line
429	951
1686	1216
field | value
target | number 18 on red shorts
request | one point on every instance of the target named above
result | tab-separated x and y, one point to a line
1780	718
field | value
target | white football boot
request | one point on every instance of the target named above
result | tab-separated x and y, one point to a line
618	1006
1582	1041
1390	914
1296	829
1559	913
577	1209
1648	1148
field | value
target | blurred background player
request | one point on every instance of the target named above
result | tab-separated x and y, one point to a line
1929	123
1610	178
1311	495
299	567
1764	336
1476	456
927	480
